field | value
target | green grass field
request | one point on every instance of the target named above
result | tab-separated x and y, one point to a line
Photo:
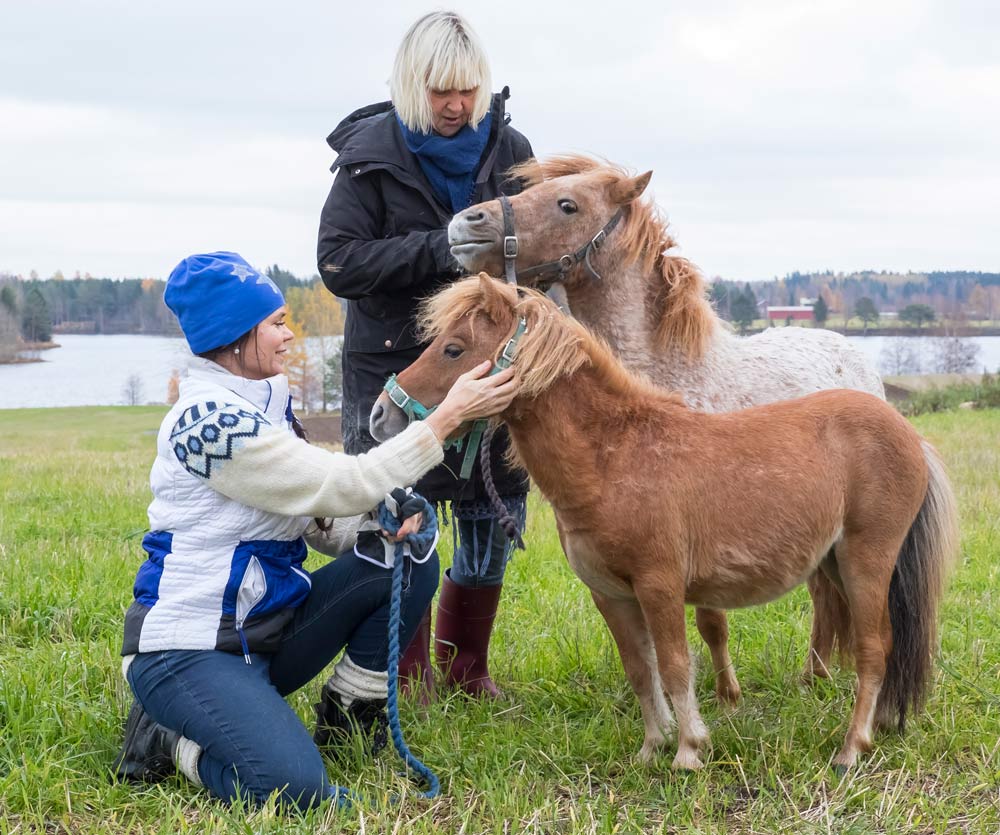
557	756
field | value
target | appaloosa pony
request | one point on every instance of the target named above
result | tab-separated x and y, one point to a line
658	505
581	224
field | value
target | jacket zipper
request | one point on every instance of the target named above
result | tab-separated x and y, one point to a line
252	589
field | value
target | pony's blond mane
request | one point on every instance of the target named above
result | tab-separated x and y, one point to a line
554	345
684	316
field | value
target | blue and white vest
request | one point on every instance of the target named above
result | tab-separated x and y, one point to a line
219	574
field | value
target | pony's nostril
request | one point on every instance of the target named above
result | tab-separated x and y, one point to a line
377	411
474	216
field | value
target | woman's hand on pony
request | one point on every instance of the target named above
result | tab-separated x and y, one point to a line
475	394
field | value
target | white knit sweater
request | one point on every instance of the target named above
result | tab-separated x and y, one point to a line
233	493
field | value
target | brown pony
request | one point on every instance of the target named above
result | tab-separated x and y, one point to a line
658	506
649	304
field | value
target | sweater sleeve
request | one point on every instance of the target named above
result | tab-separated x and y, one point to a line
356	260
240	454
340	536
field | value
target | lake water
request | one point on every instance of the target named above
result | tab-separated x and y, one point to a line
94	370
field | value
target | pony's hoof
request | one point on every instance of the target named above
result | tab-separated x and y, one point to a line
812	675
650	748
729	695
687	761
840	770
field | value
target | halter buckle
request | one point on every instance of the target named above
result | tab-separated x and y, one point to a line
396	393
565	263
510	349
508	352
510	246
598	240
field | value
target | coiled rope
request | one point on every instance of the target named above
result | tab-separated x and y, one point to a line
422	540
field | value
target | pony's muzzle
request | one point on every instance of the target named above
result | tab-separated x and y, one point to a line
386	419
472	237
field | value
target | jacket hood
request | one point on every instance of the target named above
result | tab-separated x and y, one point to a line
369	134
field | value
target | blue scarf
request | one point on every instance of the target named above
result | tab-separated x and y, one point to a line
449	162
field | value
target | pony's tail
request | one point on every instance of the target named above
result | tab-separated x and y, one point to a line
924	562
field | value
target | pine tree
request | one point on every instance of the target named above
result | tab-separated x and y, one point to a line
744	309
820	311
36	323
8	299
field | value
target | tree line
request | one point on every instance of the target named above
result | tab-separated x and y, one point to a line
913	298
33	310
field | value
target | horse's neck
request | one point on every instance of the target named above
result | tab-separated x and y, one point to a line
614	307
553	445
618	308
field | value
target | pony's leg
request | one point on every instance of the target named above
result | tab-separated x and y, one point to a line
831	623
628	628
664	614
866	571
714	629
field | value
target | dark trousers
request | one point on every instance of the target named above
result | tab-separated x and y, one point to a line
253	742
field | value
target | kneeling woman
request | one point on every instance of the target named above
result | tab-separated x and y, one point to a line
226	621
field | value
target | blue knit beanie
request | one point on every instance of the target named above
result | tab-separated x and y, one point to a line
217	297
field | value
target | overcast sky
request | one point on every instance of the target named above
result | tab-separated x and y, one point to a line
783	134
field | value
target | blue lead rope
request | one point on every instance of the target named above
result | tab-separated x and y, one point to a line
421	540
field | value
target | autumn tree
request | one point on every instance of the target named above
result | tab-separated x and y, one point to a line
173	387
317	312
979	304
297	363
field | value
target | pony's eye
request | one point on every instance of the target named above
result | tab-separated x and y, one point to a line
568	206
453	352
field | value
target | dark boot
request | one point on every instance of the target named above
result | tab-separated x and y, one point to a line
416	675
462	636
148	753
335	724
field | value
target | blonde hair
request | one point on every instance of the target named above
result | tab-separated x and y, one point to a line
439	52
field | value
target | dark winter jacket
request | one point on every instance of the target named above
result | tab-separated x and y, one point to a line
383	245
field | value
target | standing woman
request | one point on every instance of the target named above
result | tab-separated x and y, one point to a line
404	168
225	620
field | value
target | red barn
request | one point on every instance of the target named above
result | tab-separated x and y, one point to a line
780	314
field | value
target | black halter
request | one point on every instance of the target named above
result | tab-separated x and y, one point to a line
561	266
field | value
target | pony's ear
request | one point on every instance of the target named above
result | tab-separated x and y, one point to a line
626	190
492	299
485	284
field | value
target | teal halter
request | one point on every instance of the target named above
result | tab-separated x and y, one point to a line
415	410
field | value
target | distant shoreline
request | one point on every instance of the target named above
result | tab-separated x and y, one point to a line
30	346
962	332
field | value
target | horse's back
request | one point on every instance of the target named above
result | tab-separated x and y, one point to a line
790	362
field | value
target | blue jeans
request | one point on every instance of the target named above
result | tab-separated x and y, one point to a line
252	742
482	550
